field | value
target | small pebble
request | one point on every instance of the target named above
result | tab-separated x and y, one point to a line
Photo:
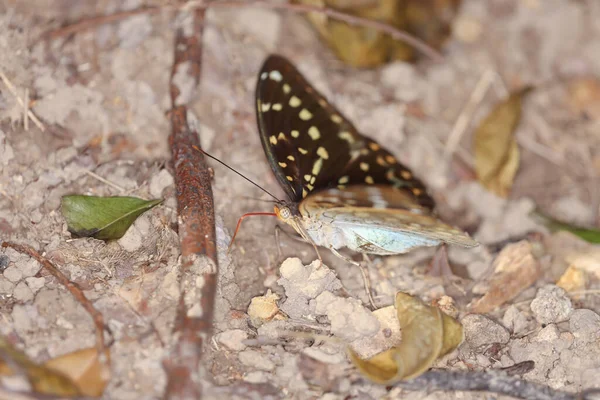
13	274
585	325
256	359
233	339
35	284
551	305
481	330
22	292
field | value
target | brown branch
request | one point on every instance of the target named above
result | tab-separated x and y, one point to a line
72	287
198	278
395	33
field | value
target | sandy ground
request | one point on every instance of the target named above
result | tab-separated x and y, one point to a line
103	96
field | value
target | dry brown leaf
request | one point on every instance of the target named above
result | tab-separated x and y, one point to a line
427	334
573	279
428	20
496	150
582	268
515	269
42	379
81	373
86	369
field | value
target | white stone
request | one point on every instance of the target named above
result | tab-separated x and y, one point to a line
35	284
132	240
350	320
13	274
30	268
233	339
481	330
551	305
22	292
256	359
159	182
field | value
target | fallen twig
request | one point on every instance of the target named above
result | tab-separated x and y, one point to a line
73	288
25	104
395	33
198	278
466	114
498	382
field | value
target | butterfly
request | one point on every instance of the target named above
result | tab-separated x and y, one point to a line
343	188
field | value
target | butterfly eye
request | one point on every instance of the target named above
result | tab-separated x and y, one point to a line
285	213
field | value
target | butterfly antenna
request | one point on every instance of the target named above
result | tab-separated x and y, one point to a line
239	173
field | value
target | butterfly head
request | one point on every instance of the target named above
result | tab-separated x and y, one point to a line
286	212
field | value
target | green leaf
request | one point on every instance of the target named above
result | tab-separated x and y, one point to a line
590	235
104	218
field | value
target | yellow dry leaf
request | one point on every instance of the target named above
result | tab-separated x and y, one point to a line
496	150
86	369
363	47
573	279
427	334
81	373
43	380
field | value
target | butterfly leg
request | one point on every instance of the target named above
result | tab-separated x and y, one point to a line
364	273
302	238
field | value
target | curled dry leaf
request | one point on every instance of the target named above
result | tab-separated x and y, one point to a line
515	269
583	267
86	368
427	334
496	150
105	218
81	373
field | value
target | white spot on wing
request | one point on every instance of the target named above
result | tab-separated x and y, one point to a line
347	136
264	107
295	102
275	75
321	152
314	133
305	115
317	166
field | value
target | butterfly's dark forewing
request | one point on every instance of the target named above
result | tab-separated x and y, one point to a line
311	146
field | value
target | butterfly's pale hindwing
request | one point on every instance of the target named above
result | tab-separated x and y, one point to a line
311	146
377	220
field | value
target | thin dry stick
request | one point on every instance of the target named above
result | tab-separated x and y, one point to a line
490	381
395	33
26	110
13	90
75	291
198	279
105	181
466	115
